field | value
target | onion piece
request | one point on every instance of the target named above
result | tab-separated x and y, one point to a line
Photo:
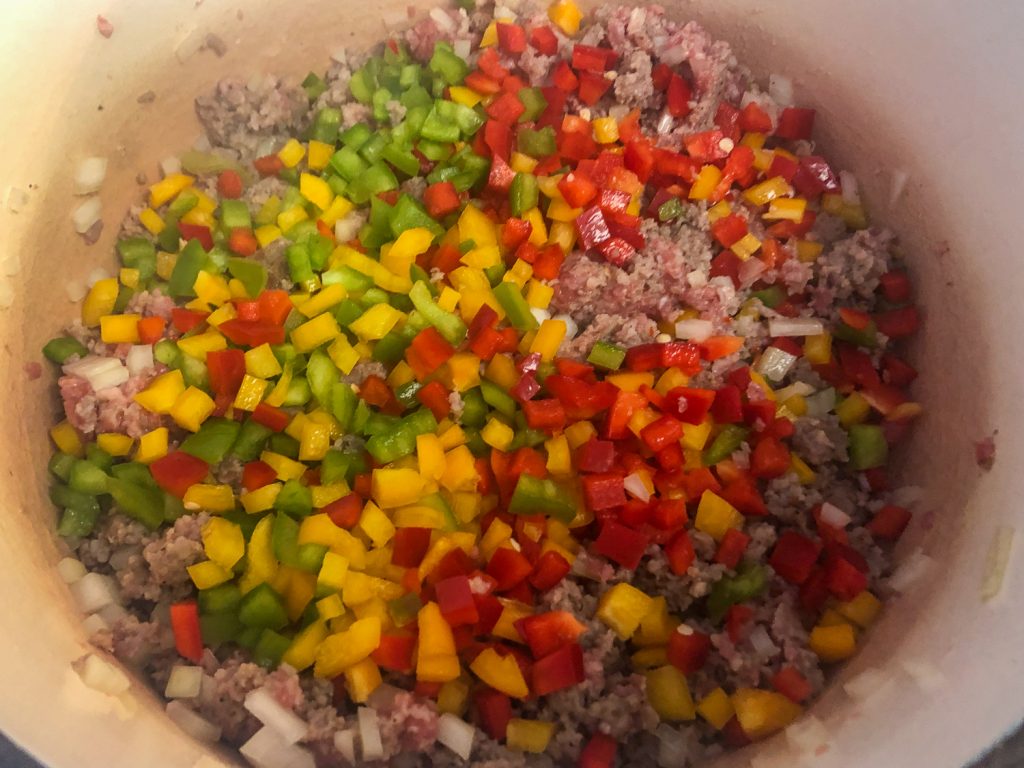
347	227
170	165
913	568
749	271
665	123
795	326
444	22
850	188
383	696
94	623
369	734
139	358
87	214
834	516
113	614
71	570
908	496
101	372
775	363
761	642
265	708
456	734
462	47
75	290
571	328
345	743
266	749
636	487
808	734
801	388
694	330
540	314
780	88
821	403
929	678
89	175
673	746
199	728
93	592
996	562
184	682
100	675
15	199
867	684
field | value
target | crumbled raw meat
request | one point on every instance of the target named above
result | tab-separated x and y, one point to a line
239	117
110	410
151	304
159	569
362	371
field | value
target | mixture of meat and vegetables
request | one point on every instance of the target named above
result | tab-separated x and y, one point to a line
520	392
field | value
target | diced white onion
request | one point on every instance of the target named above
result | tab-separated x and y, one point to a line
383	696
795	326
170	165
196	726
265	708
821	403
665	123
71	570
834	516
750	270
75	290
15	199
780	88
571	328
540	314
139	358
266	749
101	372
929	678
369	734
673	747
112	613
694	330
455	734
184	682
462	47
100	675
996	562
444	22
907	496
93	592
504	14
87	214
636	488
89	175
762	643
345	743
807	734
913	568
850	188
801	388
95	275
775	363
340	56
94	623
618	111
899	185
347	227
868	683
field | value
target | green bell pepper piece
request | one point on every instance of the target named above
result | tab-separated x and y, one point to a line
406	394
747	584
402	159
252	436
314	86
167	352
474	409
728	440
97	456
353	280
449	325
536	143
437	128
310	557
219	628
410	213
343	404
186	269
606	355
223	598
251	274
447	64
392	444
58	350
284	444
87	478
334	467
771	296
535	495
60	464
183	203
270	648
170	236
864	337
347	163
138	253
134	473
498	399
262	608
214	440
77	523
300	268
295	499
535	103
670	209
285	538
523	194
321	375
515	306
326	124
141	502
868	447
234	214
356	136
391	348
404	609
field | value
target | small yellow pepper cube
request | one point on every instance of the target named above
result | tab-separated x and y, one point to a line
213	289
460	94
622	608
198	346
319	155
453	697
333	572
477	226
302	652
129	277
501	673
559	460
330	607
539	294
286	468
362	679
313	333
657	626
818	349
343	355
66	438
430	456
649	658
498	534
151	220
497	434
223	541
705	183
436	659
548	339
115	444
152	446
766	191
502	371
250	393
521	163
208	574
396	487
853	410
315	441
786	209
327	494
463	371
288	219
579	433
563	234
862	610
803	472
291	153
316	190
323	300
261	363
221	315
376	525
835	643
669	695
340	208
695	436
167	188
340	651
260	563
808	250
460	470
490	35
511	613
99	301
261	499
212	498
715	516
539	229
762	713
267	234
566	15
716	708
192	408
606	130
452	437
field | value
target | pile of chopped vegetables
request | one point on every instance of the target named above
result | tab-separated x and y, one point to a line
401	528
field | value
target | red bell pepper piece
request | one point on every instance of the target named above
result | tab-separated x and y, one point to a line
188	638
547	632
544	40
564	78
345	512
529	461
791	684
895	286
591	227
247	309
737	622
577	188
706	146
455	599
743	494
595	455
617	251
178	471
844	580
603	491
755	119
494	710
271	417
769	459
561	669
549	570
688	652
546	414
599	752
794	557
196	232
268	165
759	412
549	263
275	306
897	323
506	108
428	351
435	397
727	407
184	320
490	64
815	176
498	138
256	474
661	433
229	184
592	87
592	58
620	544
251	333
395	651
226	368
889	522
644	357
897	372
729	229
511	38
784	167
679	552
858	367
690	405
410	545
441	199
243	242
679	96
670	458
622	410
483	84
795	123
668	514
731	548
508	567
639	158
514	232
151	329
633	514
500	176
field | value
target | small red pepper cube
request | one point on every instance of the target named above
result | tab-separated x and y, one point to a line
544	41
599	752
795	123
898	323
494	709
243	242
226	369
507	108
591	58
257	474
595	455
188	639
737	622
268	165
548	632
769	459
546	414
794	557
549	570
561	669
196	232
229	184
688	650
395	651
727	407
680	554
843	579
728	230
754	119
577	188
679	96
603	491
441	199
731	548
178	471
498	138
271	417
508	567
252	333
621	545
889	522
511	38
592	227
455	599
895	286
791	684
345	512
616	251
564	78
743	494
644	357
690	405
500	176
184	320
410	545
662	433
592	87
727	120
668	514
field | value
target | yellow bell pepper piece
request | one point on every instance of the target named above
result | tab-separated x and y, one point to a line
208	574
320	529
213	289
376	525
315	441
853	410
99	302
316	190
695	436
511	613
460	94
762	713
835	643
539	294
548	339
330	607
212	498
382	276
324	300
151	220
490	35
766	191
302	652
669	695
333	572
539	229
566	15
497	434
267	234
579	433
657	626
501	673
291	153
705	183
192	408
115	444
498	533
453	697
223	541
787	209
430	456
396	487
563	234
719	211
650	658
66	438
313	333
343	355
502	371
167	188
129	277
119	329
250	393
862	610
152	446
362	679
198	346
818	349
451	436
808	250
261	363
715	516
477	226
622	608
716	708
222	315
344	649
326	494
529	735
606	130
460	470
319	155
803	472
559	460
463	370
436	659
287	469
261	499
521	163
559	210
631	381
260	563
746	246
418	516
339	209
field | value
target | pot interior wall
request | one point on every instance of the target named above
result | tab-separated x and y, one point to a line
889	98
